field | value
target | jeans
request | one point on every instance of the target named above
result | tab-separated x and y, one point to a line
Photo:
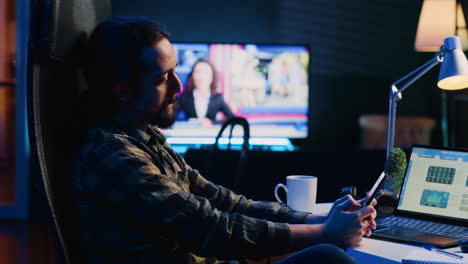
320	254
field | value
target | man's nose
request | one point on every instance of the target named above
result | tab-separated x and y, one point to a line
178	84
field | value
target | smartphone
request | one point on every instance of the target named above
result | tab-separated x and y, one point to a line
375	189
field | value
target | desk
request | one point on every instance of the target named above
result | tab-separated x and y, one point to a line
376	251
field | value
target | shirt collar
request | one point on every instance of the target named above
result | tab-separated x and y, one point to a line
155	135
148	137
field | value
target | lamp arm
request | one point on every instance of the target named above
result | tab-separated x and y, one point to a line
417	74
395	95
419	69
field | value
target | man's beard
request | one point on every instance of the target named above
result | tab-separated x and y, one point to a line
163	118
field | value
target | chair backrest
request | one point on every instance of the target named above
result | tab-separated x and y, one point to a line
230	162
222	166
54	87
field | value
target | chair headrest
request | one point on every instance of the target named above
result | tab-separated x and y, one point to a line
71	22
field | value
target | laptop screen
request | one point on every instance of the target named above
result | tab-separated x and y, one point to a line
436	182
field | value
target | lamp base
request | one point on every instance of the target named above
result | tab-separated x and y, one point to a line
386	202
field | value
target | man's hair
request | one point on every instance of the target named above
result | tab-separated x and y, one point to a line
190	86
114	54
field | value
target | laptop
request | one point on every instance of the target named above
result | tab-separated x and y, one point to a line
433	205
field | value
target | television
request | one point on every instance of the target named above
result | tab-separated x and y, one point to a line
266	84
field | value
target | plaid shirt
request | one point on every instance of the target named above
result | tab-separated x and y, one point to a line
139	202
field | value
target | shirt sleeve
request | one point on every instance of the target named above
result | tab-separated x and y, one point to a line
228	201
126	178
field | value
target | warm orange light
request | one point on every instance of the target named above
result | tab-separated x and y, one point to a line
436	22
457	82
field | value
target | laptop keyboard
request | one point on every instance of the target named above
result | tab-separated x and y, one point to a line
424	226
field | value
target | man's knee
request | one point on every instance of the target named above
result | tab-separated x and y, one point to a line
330	254
323	253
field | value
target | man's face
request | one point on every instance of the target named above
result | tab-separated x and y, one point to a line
159	85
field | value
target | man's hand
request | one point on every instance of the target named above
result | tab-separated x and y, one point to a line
363	200
370	219
312	219
353	204
345	228
320	219
356	205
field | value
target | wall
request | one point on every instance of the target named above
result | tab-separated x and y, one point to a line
358	49
209	20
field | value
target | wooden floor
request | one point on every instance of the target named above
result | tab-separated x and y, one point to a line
27	243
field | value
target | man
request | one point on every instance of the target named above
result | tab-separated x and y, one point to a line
139	202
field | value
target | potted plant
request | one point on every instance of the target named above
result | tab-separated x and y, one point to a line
395	168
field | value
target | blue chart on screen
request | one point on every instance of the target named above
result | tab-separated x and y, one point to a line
433	198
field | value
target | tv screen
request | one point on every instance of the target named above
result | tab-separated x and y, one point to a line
266	84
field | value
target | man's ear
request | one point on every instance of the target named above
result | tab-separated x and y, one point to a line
121	92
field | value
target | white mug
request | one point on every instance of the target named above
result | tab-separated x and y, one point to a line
301	192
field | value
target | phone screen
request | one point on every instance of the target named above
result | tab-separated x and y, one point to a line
375	189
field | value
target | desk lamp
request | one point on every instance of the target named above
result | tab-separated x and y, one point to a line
453	75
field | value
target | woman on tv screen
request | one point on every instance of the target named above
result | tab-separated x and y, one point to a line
200	102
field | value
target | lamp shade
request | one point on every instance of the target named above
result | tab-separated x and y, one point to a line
436	22
453	73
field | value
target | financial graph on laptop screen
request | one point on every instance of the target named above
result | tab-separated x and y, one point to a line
436	183
266	84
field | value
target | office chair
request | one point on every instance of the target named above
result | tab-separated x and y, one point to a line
54	85
229	162
223	166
